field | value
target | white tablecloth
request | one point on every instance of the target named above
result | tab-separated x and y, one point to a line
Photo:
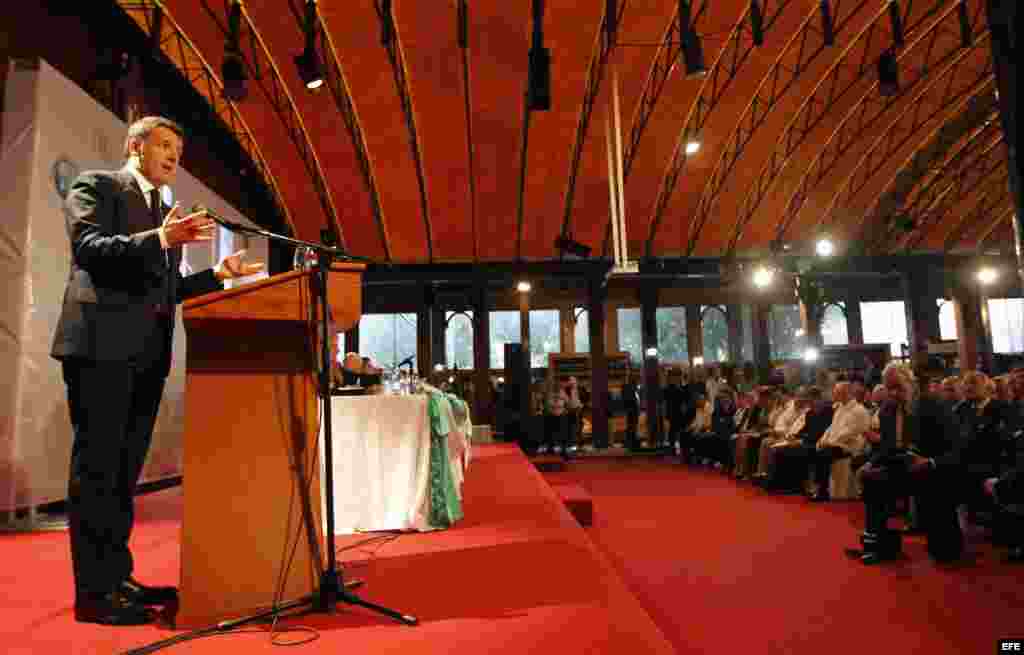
382	462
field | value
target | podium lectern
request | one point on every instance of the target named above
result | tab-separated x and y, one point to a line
251	433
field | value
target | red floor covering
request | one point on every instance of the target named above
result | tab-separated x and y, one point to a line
518	575
723	567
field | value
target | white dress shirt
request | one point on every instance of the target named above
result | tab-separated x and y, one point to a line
849	423
146	186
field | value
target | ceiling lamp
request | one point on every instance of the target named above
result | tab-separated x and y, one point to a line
308	63
523	287
763	276
824	247
811	355
988	275
692	147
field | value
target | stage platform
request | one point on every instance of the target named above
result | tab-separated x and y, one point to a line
518	575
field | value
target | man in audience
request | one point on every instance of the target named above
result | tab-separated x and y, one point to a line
788	423
1007	491
674	399
757	424
918	454
844	437
787	460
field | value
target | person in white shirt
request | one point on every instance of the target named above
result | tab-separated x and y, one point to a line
844	438
786	429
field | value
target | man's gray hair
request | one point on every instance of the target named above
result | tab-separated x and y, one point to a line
904	373
141	129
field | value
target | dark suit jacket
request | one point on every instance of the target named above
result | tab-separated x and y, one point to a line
930	429
816	424
119	274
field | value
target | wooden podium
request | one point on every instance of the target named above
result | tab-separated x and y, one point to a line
251	437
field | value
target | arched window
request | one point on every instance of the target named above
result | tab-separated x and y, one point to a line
504	326
387	339
947	320
582	331
672	344
458	339
885	322
833	325
715	329
785	331
630	336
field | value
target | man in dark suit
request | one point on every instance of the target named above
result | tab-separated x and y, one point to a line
114	340
918	454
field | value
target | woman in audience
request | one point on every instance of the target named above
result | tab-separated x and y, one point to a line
760	421
788	423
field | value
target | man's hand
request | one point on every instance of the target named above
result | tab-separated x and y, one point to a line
990	486
188	229
232	267
918	464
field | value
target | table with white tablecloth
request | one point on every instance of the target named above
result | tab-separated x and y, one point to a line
399	461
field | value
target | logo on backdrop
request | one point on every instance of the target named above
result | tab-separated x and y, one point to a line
64	173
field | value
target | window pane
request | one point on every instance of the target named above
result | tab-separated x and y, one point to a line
629	333
833	326
458	340
672	344
582	330
947	319
1006	316
387	339
504	329
785	330
715	329
747	314
885	322
544	336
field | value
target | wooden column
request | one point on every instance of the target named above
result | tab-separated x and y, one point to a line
610	334
922	313
352	339
810	321
854	322
482	403
694	333
734	320
970	307
762	339
567	328
598	293
649	339
424	338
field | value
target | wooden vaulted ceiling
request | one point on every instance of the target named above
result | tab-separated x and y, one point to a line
418	150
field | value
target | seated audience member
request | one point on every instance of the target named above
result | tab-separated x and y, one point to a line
757	422
843	439
787	425
723	427
697	428
788	460
917	454
984	420
1007	492
556	425
950	391
674	398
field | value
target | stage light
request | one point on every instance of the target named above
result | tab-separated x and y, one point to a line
988	275
824	247
693	53
567	246
451	379
763	277
308	63
652	352
234	76
538	80
387	24
966	31
811	355
896	22
523	287
757	22
828	30
692	147
698	361
462	25
888	75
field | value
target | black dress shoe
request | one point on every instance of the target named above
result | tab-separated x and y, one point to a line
1015	556
112	609
818	498
138	593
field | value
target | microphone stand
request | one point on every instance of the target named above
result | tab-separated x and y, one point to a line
332	587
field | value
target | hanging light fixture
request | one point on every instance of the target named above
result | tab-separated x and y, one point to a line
232	70
693	53
308	63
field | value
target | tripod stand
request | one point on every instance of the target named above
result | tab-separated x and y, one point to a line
332	588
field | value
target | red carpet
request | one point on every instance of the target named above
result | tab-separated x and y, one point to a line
517	576
725	568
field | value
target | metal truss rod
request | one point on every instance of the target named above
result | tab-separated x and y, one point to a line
264	70
858	120
805	47
997	188
601	50
738	49
336	82
174	44
467	96
1005	219
396	54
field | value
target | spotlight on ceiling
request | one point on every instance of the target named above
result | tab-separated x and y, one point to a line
966	30
235	76
693	53
692	147
523	287
567	246
651	352
308	63
824	247
896	23
828	30
811	355
763	276
888	74
987	275
538	79
757	22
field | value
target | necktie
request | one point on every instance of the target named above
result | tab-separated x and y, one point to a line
899	426
155	208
